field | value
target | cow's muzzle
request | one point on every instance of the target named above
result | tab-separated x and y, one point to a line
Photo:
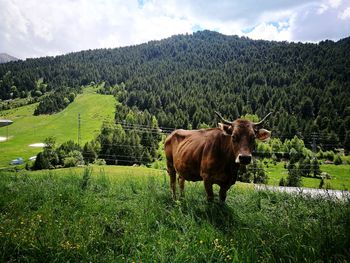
244	158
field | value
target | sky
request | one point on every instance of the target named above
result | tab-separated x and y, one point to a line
36	28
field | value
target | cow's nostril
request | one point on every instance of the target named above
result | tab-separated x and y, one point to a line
245	159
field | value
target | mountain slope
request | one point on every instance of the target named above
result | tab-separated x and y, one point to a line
4	58
184	78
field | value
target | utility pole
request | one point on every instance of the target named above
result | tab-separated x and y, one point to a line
79	130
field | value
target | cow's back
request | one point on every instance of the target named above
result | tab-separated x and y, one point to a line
173	142
184	150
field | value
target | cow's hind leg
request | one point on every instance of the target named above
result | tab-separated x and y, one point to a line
172	173
209	189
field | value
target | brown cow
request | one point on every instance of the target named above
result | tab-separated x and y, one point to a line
212	155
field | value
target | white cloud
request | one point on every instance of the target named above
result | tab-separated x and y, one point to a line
271	32
334	3
345	14
322	8
32	28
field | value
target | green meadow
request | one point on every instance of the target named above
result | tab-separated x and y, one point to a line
104	214
340	176
29	129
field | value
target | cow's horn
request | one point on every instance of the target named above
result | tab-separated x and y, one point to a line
222	118
263	120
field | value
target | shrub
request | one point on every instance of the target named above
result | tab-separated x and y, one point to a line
293	178
244	175
282	182
100	162
253	172
41	162
74	158
315	167
321	183
337	160
305	166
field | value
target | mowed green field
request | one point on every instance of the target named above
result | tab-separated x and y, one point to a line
126	214
340	176
29	129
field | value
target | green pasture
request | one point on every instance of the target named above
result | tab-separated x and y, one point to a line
124	214
340	176
28	129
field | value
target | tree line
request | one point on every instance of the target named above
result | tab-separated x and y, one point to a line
132	139
55	102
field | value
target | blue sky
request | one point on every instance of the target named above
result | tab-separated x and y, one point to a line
33	28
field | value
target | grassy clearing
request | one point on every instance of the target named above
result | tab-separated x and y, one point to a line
96	216
340	176
28	129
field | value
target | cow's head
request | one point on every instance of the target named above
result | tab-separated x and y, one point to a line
243	134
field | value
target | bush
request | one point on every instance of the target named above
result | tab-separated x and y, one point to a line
325	183
90	151
244	175
305	166
260	176
326	175
73	158
329	155
337	160
253	172
282	182
321	183
100	162
69	162
41	162
315	167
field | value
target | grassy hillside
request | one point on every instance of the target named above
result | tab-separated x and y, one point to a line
80	215
28	129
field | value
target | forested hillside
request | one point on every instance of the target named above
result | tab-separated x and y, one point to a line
183	79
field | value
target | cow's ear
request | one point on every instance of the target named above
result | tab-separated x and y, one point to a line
263	135
226	128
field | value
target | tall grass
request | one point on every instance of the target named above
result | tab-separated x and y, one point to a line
100	218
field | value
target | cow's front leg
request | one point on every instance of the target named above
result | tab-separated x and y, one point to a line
209	189
223	192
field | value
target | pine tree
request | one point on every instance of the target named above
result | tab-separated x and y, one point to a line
293	178
315	167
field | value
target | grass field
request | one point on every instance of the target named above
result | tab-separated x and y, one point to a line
340	176
28	129
127	215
